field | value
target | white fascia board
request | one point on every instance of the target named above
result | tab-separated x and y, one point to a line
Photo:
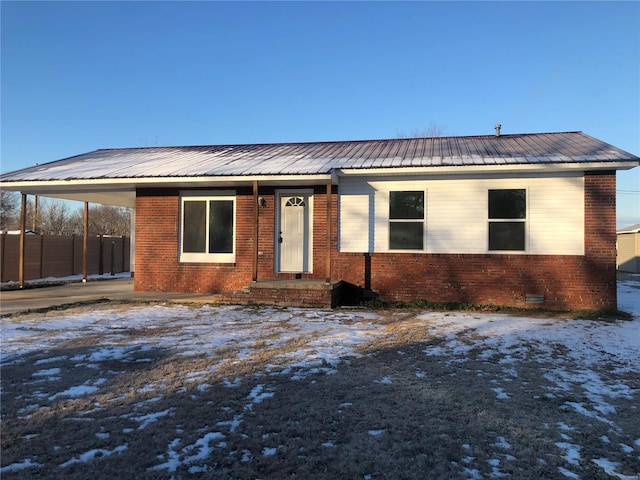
120	184
122	191
479	169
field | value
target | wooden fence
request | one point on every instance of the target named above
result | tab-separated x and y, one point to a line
61	256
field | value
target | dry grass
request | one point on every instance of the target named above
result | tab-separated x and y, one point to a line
393	413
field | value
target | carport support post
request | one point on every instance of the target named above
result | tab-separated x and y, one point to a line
85	243
23	222
35	214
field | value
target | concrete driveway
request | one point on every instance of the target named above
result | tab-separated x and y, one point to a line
14	301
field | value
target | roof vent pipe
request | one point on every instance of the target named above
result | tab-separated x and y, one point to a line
498	127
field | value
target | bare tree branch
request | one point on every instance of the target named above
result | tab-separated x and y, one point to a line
433	130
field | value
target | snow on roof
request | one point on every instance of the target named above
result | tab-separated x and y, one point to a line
325	157
631	229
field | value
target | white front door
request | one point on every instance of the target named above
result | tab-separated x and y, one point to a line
294	235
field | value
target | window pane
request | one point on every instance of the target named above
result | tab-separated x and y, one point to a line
406	205
406	236
506	235
507	203
194	227
221	226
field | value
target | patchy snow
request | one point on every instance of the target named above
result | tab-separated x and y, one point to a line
146	420
267	452
568	473
568	352
70	278
502	443
610	469
384	381
257	395
199	450
501	394
77	391
572	452
91	454
14	467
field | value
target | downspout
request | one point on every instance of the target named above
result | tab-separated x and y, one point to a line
256	208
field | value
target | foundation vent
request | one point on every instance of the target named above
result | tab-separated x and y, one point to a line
534	298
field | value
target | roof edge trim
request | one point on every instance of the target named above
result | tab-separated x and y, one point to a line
464	169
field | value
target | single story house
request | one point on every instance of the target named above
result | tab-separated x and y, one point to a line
629	249
518	220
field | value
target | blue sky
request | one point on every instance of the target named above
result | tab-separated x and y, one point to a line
78	76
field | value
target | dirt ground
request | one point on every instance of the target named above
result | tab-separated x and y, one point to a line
389	411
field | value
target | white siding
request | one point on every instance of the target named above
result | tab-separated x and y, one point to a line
354	223
381	218
556	216
457	213
457	217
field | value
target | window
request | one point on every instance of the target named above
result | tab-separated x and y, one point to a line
507	219
406	220
295	202
208	229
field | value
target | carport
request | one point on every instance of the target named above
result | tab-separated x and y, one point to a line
86	191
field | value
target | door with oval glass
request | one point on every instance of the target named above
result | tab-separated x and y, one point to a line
294	238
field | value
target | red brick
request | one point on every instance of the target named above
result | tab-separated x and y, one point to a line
566	281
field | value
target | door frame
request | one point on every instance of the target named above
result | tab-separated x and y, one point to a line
307	192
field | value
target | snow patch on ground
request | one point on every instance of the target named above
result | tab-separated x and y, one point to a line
91	454
15	467
569	352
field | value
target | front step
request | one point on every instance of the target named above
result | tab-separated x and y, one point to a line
307	293
298	293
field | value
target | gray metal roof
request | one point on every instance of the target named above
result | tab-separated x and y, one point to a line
325	157
630	229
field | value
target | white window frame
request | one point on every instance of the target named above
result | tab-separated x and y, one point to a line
193	257
524	220
407	220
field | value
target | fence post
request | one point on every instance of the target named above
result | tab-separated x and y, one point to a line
113	258
73	254
100	258
41	256
124	242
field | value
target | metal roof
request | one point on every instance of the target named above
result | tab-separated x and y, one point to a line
631	229
319	158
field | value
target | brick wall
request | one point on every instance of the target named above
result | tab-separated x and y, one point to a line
157	265
157	230
566	282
